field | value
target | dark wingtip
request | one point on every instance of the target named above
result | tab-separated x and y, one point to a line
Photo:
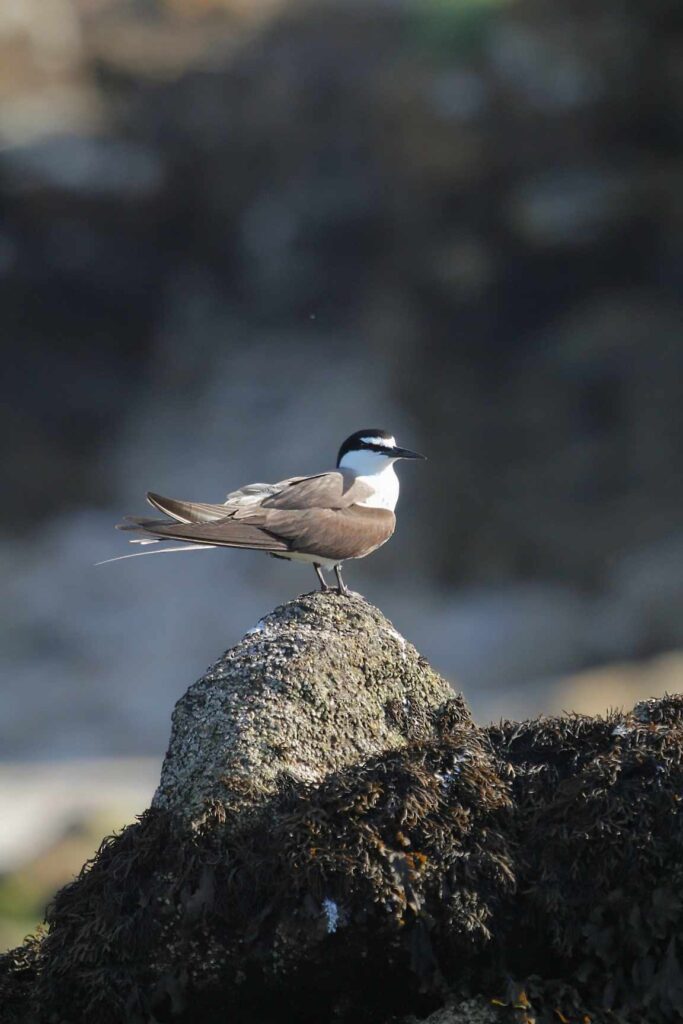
139	524
155	500
127	523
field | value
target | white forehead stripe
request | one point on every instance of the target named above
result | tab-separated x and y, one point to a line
381	442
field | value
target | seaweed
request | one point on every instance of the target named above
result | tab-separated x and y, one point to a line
397	862
599	840
536	866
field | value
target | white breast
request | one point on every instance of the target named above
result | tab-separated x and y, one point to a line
377	472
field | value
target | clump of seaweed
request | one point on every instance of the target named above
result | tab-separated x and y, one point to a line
386	879
539	863
599	840
18	978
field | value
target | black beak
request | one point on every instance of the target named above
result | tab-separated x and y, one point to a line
405	453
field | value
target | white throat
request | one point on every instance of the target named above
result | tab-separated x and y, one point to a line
377	471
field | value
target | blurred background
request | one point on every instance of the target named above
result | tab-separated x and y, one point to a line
234	231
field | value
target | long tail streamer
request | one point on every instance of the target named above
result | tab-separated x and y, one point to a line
159	551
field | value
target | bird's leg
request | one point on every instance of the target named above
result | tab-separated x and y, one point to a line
319	573
343	589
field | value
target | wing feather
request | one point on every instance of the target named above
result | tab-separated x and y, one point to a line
254	494
187	511
334	490
331	533
227	533
138	524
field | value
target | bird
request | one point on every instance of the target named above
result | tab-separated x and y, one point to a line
324	519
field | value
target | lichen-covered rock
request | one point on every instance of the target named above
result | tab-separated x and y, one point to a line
469	1011
321	683
388	858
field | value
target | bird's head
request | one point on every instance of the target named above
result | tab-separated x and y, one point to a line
367	451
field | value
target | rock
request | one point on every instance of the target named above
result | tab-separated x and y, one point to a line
85	166
334	839
320	684
326	804
569	208
470	1011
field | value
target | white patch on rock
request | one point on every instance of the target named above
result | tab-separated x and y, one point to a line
331	912
445	778
401	641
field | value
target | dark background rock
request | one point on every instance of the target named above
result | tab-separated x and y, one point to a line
534	863
485	200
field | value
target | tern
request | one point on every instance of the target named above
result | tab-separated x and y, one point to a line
324	519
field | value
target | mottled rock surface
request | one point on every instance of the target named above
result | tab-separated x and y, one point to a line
321	683
469	1011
